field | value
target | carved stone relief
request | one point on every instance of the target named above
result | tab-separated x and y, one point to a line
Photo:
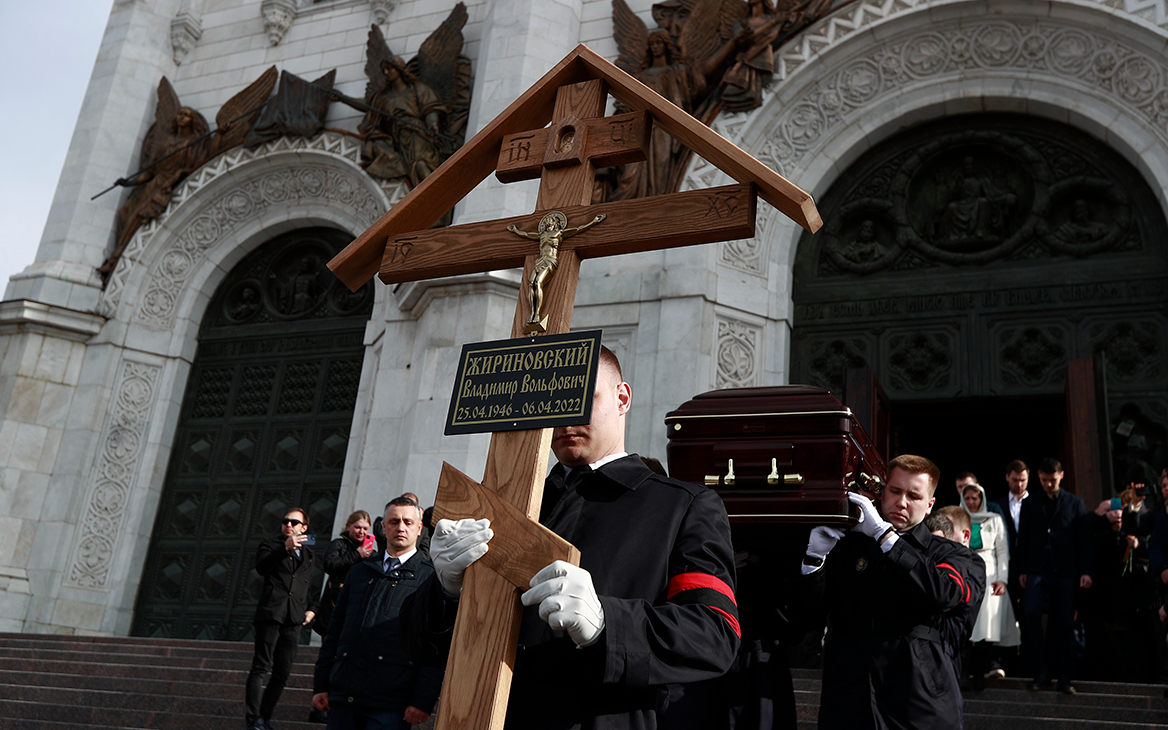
246	199
1134	350
123	441
920	361
1085	58
278	18
738	353
826	360
1032	355
972	197
185	31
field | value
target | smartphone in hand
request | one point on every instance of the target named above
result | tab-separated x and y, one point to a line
370	542
309	540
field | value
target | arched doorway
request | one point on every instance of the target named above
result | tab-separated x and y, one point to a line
967	261
264	425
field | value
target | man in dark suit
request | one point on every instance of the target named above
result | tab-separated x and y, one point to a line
1054	560
1017	479
363	676
286	604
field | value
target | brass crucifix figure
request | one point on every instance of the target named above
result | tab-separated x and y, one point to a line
552	231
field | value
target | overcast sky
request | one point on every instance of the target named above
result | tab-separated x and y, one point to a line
47	50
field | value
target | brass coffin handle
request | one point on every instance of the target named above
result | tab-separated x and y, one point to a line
792	479
773	477
713	480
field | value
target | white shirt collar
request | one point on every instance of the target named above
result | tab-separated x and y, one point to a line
1015	498
400	558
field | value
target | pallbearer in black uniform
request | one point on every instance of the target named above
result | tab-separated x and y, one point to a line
651	603
888	588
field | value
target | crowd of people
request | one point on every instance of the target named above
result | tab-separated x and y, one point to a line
920	602
1098	576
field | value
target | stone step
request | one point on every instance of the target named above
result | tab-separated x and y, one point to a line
223	649
227	703
143	670
11	658
23	715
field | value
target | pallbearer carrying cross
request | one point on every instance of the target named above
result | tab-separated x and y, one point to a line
660	570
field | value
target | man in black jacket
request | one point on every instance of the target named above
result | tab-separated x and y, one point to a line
286	604
363	676
893	594
651	603
1054	559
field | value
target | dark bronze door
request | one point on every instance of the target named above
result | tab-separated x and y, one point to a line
264	426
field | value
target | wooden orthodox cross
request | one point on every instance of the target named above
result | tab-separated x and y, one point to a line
564	155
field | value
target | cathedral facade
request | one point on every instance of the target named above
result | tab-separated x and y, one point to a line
179	367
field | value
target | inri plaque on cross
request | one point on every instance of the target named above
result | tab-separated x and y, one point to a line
565	155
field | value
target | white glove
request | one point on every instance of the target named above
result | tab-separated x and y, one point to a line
823	539
567	600
455	545
871	523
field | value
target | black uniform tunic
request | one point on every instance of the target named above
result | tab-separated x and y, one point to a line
886	663
661	560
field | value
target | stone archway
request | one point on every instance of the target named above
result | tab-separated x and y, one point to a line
264	426
872	70
155	302
972	258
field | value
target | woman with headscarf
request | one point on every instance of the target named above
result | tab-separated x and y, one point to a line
995	621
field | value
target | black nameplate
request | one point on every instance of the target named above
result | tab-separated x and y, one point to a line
525	383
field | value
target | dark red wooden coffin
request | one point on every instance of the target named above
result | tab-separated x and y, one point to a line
785	453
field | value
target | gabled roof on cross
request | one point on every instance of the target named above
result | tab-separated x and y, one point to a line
475	160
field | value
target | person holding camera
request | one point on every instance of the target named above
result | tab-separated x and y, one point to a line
354	545
286	604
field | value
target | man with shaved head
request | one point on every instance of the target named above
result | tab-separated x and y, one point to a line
652	602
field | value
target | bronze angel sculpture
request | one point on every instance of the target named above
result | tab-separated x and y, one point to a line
416	112
177	143
704	56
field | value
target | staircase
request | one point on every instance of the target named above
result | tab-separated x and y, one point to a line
1006	704
51	682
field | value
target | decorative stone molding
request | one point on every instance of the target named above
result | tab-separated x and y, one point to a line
278	17
861	16
1096	62
1133	349
745	254
123	441
1033	355
737	349
382	9
23	315
828	359
185	31
920	361
237	201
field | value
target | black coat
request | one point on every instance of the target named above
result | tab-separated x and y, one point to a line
362	656
341	555
887	660
662	564
286	595
1054	537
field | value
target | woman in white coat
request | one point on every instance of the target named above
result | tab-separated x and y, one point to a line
995	621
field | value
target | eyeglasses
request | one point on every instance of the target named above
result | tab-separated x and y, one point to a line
294	523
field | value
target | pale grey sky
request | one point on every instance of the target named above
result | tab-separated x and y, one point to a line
47	50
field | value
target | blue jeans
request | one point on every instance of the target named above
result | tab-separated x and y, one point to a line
343	716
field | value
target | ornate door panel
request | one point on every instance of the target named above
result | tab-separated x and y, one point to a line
976	257
264	426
